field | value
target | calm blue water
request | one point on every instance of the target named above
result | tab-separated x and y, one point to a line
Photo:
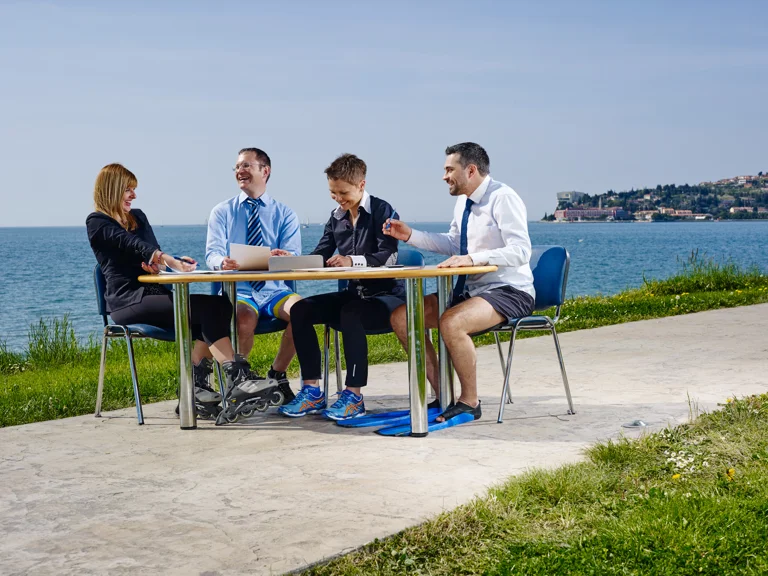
49	270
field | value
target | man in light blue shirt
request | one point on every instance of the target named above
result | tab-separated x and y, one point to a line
254	217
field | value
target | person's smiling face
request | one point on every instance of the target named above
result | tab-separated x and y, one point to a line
128	197
347	195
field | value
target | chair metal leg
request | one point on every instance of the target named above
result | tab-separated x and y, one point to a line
505	393
562	371
337	352
102	370
326	359
503	365
135	378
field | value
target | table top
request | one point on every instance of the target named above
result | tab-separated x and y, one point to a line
319	274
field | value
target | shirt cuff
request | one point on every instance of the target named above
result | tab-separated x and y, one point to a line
416	237
359	261
480	258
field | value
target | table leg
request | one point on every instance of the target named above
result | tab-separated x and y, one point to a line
445	366
230	289
187	414
417	365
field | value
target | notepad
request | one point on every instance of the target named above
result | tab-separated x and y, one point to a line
250	257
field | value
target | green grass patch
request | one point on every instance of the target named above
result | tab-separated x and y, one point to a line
57	376
687	500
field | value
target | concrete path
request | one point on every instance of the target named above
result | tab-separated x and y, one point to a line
105	496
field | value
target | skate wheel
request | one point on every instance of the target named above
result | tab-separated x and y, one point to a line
231	418
246	413
277	398
262	405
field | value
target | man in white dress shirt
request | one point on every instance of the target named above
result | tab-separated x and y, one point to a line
489	227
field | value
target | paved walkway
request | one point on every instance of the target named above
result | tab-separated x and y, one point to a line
105	496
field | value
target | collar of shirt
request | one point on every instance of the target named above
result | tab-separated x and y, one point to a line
365	204
263	200
480	191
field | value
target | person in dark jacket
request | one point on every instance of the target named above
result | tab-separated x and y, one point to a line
355	231
125	248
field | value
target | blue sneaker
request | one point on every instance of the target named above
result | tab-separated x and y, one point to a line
309	400
348	406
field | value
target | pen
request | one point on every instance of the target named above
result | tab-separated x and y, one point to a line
185	259
389	222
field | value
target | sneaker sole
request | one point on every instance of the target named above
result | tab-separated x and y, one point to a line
342	418
300	414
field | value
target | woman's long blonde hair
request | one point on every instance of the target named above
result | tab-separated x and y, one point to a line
111	184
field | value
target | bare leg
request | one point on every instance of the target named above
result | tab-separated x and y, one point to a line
456	324
201	351
287	350
399	323
222	350
246	324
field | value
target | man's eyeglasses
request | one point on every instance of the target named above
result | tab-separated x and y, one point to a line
247	166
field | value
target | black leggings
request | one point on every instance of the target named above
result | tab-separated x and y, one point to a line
348	312
209	322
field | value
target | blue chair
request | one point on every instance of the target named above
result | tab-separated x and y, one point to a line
129	332
404	257
550	274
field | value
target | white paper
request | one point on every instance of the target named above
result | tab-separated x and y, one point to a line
250	257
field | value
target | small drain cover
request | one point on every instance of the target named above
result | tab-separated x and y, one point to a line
634	424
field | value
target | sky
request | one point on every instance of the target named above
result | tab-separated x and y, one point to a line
572	95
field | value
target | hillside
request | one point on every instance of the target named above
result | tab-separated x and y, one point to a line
740	197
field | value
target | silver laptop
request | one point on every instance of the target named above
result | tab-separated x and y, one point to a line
285	263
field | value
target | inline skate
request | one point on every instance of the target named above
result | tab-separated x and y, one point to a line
247	392
207	400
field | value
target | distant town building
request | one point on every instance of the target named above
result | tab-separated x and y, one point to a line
735	209
571	197
582	213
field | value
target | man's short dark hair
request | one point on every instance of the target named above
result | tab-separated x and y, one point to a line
261	156
471	153
348	168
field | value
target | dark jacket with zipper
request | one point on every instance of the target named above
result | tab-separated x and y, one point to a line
365	238
120	254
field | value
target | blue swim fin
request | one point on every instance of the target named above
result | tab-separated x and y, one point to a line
385	419
405	429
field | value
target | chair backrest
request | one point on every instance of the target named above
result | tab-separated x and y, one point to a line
216	286
100	284
550	274
404	257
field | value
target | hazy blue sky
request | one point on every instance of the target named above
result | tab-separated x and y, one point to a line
571	95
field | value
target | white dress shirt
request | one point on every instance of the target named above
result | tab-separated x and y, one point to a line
497	234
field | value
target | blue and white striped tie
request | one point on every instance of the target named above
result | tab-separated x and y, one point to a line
254	233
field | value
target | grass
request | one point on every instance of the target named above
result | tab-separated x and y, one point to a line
56	377
687	500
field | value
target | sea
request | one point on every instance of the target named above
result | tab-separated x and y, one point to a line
49	271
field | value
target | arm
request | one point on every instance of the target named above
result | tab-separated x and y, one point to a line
327	245
511	216
442	243
216	240
385	245
289	238
105	231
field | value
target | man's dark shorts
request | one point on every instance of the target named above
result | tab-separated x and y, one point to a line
507	301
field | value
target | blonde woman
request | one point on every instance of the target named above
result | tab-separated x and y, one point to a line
125	248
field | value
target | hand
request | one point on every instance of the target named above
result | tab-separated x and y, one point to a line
279	252
183	264
397	229
229	264
339	261
150	268
456	262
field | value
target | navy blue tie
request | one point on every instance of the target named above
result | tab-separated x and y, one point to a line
458	290
254	234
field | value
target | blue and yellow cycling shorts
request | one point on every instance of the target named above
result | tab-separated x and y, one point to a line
271	306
